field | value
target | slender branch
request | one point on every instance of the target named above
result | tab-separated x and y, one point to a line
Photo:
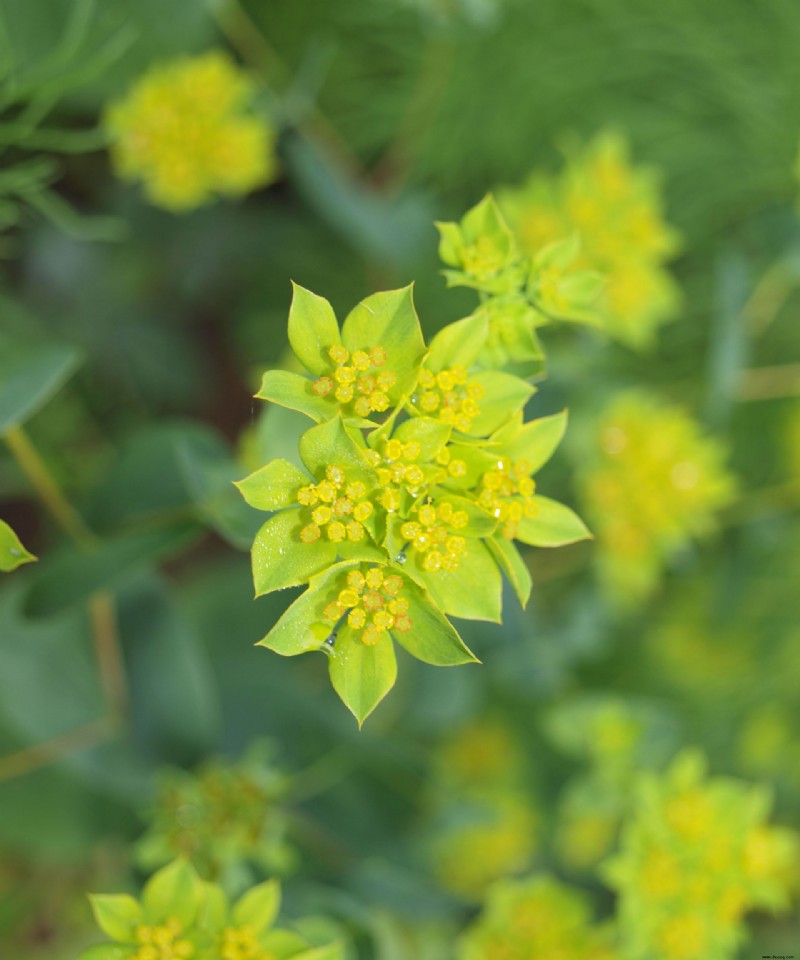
105	636
46	487
42	754
770	383
770	294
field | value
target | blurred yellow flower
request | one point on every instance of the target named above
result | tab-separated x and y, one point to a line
695	857
483	753
187	130
536	919
616	209
652	482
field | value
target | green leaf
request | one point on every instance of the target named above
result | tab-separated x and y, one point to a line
485	220
30	373
108	951
458	344
330	443
534	442
212	913
294	391
473	592
312	329
12	553
503	395
332	951
283	944
259	906
430	434
555	525
513	566
72	574
362	675
280	559
273	487
390	320
432	638
450	243
302	628
173	891
117	915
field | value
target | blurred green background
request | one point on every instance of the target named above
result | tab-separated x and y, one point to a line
390	115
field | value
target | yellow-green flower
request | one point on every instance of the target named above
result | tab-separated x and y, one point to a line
695	857
187	130
536	919
651	483
616	210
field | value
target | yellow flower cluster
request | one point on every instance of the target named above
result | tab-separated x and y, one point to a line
694	859
655	482
480	754
397	469
241	943
186	130
536	919
373	604
484	258
616	210
163	942
450	396
507	494
358	380
431	534
338	508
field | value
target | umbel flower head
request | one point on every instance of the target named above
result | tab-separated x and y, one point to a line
616	211
536	919
187	130
418	477
696	856
652	483
181	917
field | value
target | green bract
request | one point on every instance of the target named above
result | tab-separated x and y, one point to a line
12	553
419	474
181	917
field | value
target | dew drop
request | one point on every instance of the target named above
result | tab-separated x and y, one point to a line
401	558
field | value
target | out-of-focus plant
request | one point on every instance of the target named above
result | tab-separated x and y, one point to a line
29	94
535	919
651	481
189	131
695	857
417	480
181	917
222	816
617	212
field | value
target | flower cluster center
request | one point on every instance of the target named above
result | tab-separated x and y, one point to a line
358	379
507	493
373	604
241	943
450	396
483	258
338	508
163	942
431	534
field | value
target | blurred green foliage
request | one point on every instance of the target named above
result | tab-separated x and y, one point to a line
131	343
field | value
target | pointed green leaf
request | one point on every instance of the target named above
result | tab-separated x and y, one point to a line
259	906
109	951
293	391
473	592
432	638
212	912
283	944
174	891
430	434
450	243
389	320
555	525
513	566
503	395
480	523
12	553
362	675
485	220
272	487
312	329
30	373
331	443
332	951
535	441
117	915
458	344
281	559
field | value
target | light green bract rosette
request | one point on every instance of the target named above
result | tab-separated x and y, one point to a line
418	479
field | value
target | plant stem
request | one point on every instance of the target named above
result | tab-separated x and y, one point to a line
42	754
46	487
770	383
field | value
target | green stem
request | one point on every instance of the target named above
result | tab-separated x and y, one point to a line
36	470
